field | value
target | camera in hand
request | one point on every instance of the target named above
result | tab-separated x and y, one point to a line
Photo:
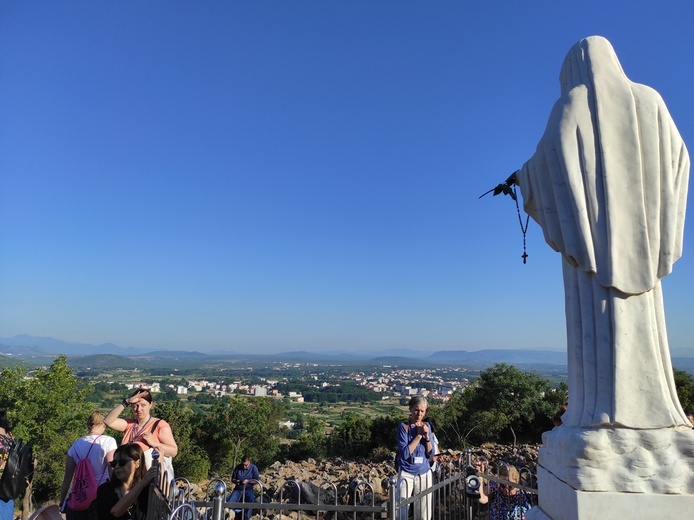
472	483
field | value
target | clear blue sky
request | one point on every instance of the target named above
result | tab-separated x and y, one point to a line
274	175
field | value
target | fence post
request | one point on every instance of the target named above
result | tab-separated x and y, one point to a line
392	496
218	494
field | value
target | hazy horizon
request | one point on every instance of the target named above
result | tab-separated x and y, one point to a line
326	350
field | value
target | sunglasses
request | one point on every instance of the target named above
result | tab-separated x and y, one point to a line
120	462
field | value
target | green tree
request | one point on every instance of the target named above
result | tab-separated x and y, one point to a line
99	390
191	461
384	432
49	412
311	443
558	397
684	384
352	437
203	398
167	394
502	405
241	426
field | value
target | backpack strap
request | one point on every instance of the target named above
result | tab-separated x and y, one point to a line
98	482
154	427
88	451
93	443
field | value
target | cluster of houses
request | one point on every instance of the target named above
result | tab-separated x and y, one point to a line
390	381
394	382
218	389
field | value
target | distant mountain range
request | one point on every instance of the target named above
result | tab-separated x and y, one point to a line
41	345
514	357
34	348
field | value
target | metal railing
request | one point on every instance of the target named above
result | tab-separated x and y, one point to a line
452	493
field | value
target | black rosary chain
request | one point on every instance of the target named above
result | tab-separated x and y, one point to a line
524	228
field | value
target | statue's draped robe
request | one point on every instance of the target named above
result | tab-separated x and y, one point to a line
608	185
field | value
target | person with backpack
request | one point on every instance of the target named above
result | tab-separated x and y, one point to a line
6	506
415	449
86	467
16	468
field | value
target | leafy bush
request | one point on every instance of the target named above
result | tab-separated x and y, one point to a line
241	426
505	404
352	438
684	383
48	411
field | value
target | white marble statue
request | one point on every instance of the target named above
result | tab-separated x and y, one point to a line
608	186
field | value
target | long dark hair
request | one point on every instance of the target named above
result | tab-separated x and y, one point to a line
4	421
134	452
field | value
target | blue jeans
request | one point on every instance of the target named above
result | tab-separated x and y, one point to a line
236	496
6	510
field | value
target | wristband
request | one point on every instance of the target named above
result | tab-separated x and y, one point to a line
125	402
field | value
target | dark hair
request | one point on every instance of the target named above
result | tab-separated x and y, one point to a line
4	421
132	451
245	458
144	394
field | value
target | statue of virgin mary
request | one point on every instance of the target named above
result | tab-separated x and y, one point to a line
608	185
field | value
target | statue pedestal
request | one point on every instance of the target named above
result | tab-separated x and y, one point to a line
606	473
559	501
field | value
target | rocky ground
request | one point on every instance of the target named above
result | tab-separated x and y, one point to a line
345	474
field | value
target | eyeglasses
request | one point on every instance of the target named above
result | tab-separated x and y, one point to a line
119	462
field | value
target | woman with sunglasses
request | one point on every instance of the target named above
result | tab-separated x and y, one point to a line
124	495
143	429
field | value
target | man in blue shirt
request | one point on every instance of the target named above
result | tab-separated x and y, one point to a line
244	476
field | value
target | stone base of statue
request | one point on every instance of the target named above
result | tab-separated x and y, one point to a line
605	473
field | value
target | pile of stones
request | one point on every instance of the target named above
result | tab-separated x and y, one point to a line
341	481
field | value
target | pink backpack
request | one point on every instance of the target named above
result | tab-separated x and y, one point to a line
84	484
